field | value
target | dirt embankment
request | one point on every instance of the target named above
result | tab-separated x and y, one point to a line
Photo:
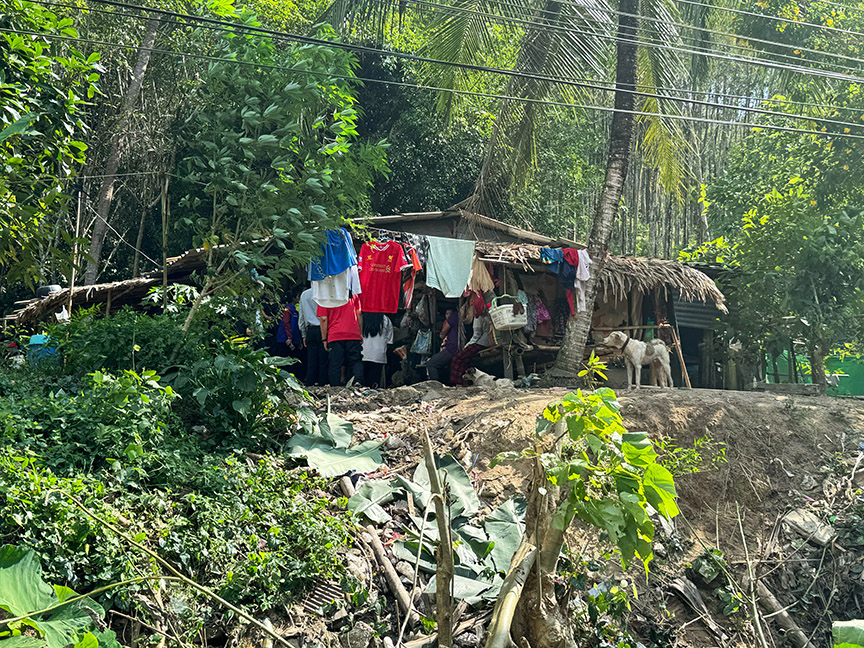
782	453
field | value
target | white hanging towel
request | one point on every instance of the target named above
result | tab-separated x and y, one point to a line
334	291
583	274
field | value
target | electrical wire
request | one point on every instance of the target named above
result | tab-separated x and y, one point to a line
689	91
354	78
319	41
597	86
787	21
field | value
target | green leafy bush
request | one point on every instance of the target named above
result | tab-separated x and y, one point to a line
257	531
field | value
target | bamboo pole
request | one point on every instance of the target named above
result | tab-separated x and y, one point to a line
680	353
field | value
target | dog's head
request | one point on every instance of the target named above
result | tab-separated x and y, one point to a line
616	340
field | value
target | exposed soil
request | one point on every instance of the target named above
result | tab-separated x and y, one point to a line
782	453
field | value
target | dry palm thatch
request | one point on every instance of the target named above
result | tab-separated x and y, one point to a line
621	275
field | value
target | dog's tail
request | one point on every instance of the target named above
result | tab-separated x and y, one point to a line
659	342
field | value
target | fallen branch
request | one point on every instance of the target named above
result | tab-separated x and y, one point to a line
796	637
393	582
508	597
751	574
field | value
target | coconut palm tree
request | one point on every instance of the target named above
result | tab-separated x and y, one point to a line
559	43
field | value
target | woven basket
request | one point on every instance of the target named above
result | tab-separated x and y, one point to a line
503	317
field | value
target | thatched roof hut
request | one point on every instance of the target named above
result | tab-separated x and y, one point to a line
621	275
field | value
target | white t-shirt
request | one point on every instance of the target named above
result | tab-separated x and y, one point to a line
334	291
308	311
375	348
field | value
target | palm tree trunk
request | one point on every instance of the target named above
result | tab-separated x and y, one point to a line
569	360
106	189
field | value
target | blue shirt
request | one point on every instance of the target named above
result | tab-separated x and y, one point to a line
336	256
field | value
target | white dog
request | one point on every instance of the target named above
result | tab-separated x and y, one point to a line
638	353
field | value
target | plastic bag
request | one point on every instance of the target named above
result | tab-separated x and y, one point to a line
423	342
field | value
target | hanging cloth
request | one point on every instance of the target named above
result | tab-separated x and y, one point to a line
381	266
449	265
583	274
479	279
420	244
335	257
552	257
408	284
336	290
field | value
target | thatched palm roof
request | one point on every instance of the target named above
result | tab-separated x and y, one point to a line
621	275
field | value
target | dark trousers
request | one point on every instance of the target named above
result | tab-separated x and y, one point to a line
316	357
372	372
346	353
438	366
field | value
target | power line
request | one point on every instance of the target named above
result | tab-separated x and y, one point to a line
354	78
690	91
591	85
787	21
318	41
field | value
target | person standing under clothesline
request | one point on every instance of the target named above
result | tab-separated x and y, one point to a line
377	334
341	330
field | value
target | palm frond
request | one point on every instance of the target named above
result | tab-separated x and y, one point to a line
663	142
546	52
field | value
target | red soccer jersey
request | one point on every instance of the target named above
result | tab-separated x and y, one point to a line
380	265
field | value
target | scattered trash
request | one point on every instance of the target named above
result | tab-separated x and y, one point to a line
810	527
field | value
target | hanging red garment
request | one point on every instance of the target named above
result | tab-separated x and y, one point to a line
571	256
380	265
415	266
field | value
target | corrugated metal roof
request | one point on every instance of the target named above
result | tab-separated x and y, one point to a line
695	314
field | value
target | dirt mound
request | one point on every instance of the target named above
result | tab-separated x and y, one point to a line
781	453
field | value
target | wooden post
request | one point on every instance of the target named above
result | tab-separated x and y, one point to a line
165	243
108	303
793	370
677	343
75	249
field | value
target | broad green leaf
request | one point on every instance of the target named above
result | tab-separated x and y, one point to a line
22	591
471	590
660	491
638	449
18	126
848	634
452	474
337	430
505	526
368	498
333	462
22	641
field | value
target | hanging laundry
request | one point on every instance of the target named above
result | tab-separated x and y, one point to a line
336	256
408	285
552	257
571	256
420	244
381	265
335	291
479	279
449	265
583	274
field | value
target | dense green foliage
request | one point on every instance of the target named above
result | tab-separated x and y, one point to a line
43	88
172	468
270	154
